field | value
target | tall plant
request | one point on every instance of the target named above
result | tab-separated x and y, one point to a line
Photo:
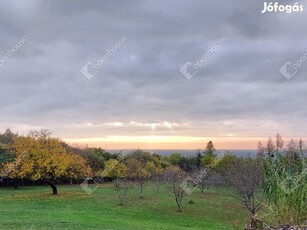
284	185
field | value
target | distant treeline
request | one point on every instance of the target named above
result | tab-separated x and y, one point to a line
38	158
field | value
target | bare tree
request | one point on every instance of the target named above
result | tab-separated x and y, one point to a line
122	186
157	179
261	150
270	148
174	176
293	150
200	179
40	134
245	177
279	142
301	148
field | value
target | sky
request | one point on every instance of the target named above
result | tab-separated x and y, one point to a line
124	74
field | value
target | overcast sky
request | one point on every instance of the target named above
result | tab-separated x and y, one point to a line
139	94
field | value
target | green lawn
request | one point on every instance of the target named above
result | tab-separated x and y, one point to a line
35	208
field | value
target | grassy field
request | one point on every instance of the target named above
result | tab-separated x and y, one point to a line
36	208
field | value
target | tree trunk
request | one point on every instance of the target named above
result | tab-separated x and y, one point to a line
178	205
202	193
142	196
15	184
157	186
54	188
121	202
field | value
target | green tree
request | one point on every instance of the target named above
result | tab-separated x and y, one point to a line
208	159
210	149
95	161
198	159
175	159
224	164
7	137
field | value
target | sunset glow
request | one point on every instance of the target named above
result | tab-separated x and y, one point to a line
166	142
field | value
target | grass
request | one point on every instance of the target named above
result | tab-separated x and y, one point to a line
35	208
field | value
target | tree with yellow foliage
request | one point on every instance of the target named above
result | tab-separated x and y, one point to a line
45	158
156	174
137	171
114	169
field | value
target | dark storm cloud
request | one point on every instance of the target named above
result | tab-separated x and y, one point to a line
41	85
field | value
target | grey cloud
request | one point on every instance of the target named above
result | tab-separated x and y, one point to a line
41	85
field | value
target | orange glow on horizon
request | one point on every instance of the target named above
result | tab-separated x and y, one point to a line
167	142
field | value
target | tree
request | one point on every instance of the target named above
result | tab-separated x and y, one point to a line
209	156
9	168
245	177
102	154
261	150
114	169
210	179
207	161
156	174
198	159
224	164
174	176
175	159
137	171
279	142
210	149
270	148
188	164
293	151
95	161
39	134
45	158
122	185
77	167
7	137
6	154
301	148
201	180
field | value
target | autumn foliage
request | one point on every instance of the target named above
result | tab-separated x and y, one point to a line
43	158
